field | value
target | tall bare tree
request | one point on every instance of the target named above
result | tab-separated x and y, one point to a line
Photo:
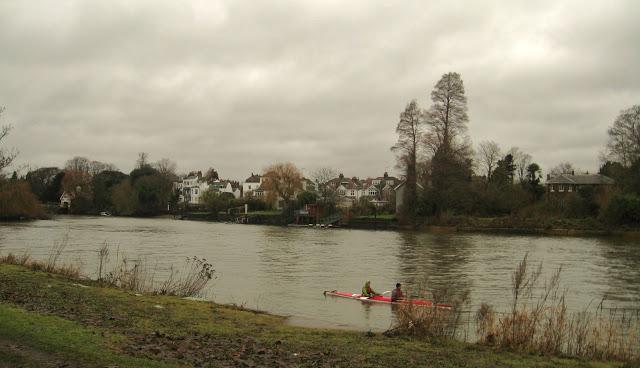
522	161
488	155
282	180
410	133
562	168
447	118
6	156
78	163
96	167
624	137
322	176
166	167
143	160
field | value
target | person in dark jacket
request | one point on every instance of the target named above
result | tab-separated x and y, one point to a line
397	294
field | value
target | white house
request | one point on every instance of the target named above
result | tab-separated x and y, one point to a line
191	188
65	200
309	185
227	186
251	184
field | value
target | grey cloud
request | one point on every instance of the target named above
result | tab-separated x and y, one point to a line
238	85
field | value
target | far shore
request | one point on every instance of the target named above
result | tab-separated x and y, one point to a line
466	224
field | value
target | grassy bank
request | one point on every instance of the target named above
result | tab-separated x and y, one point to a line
49	318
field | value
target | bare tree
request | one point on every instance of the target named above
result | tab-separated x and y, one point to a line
522	161
6	156
283	180
322	176
488	155
624	137
410	134
166	167
143	160
562	168
447	117
78	163
96	167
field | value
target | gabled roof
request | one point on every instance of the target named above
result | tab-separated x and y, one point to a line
404	182
585	179
254	178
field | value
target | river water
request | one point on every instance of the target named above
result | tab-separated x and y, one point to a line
285	270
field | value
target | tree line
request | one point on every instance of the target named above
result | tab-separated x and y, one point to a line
445	176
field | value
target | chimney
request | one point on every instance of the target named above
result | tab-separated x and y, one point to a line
548	177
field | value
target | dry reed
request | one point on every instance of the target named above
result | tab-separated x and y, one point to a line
541	324
430	321
195	275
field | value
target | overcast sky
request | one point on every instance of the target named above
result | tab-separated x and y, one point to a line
238	85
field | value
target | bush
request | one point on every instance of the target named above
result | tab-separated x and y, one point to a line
17	201
623	209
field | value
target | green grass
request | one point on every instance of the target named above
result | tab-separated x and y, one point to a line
52	318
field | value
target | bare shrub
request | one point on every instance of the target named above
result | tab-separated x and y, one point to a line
542	324
103	258
55	252
434	321
19	260
485	324
134	275
195	275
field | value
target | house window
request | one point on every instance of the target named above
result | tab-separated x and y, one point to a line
561	188
569	188
353	192
195	191
249	186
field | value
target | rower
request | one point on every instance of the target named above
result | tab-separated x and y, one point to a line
397	294
367	291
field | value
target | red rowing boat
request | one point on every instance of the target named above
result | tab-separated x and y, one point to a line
385	299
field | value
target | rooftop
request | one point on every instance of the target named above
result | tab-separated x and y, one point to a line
584	179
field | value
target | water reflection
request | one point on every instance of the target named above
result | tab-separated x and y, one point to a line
622	265
434	261
285	270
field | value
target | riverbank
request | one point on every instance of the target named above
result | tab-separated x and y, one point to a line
586	227
47	319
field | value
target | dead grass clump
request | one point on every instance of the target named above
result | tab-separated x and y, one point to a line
55	252
191	281
139	276
134	275
103	258
19	260
430	321
541	324
52	265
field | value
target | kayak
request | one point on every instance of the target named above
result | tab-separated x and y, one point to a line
385	299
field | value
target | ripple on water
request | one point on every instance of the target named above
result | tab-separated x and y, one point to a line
285	270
